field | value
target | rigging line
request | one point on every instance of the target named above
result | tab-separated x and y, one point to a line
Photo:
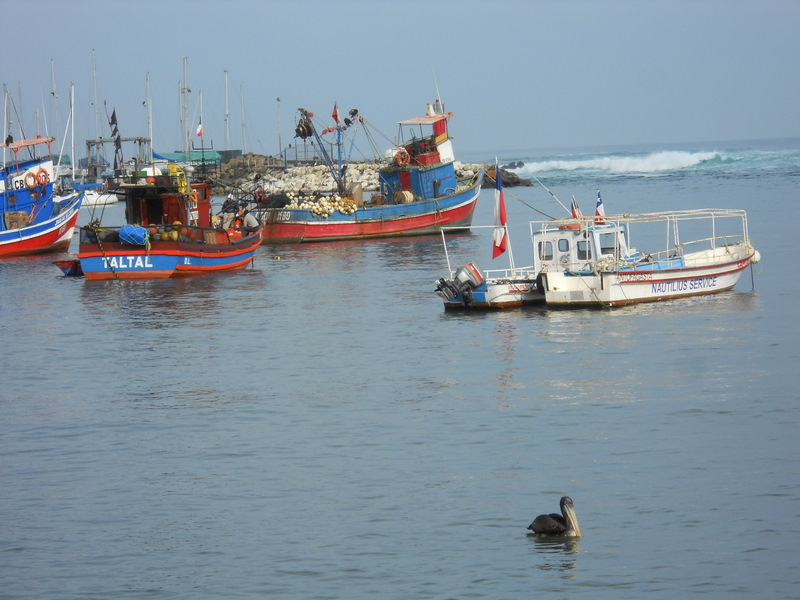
551	193
373	128
518	199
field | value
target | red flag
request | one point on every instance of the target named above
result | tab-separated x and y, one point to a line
500	237
576	212
335	113
200	129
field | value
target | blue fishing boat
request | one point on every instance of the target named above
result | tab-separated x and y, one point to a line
33	220
419	193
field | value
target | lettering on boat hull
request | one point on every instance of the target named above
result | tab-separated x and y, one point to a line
127	262
686	285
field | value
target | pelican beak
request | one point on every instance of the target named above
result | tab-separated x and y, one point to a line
573	530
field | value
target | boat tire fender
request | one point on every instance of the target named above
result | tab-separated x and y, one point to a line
540	283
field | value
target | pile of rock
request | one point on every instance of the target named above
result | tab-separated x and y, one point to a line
248	173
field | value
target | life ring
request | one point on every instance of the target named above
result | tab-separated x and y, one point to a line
402	158
30	180
42	178
570	226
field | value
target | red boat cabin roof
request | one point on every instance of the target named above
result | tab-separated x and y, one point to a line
28	142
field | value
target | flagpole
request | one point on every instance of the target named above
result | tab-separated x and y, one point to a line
505	225
500	218
510	253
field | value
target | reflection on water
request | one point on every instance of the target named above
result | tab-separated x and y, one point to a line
556	553
153	304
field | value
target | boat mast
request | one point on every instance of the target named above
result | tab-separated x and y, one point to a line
55	96
241	101
94	91
337	176
280	144
185	106
150	120
72	132
6	123
227	115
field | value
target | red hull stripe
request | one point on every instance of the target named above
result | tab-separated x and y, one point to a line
55	240
334	230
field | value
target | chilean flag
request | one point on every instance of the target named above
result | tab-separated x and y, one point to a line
576	212
599	211
500	237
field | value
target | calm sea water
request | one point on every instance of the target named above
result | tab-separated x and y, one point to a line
318	427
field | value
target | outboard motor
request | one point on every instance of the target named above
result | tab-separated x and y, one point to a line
465	279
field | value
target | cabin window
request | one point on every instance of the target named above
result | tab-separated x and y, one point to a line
546	250
608	243
563	245
584	250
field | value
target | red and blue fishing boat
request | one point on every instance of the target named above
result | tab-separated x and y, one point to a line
33	220
419	191
169	233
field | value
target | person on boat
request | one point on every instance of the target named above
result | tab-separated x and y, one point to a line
230	205
229	210
249	222
260	197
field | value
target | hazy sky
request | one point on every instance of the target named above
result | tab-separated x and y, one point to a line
517	73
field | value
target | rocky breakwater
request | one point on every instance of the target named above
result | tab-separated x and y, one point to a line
266	176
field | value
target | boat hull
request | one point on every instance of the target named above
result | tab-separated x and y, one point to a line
498	294
44	237
114	260
95	198
396	220
620	288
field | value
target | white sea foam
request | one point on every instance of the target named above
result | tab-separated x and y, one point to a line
649	163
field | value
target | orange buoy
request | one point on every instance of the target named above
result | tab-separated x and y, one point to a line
30	180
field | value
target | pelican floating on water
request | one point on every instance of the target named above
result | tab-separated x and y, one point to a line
565	524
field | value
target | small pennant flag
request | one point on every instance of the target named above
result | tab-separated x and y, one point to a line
335	113
200	129
576	212
599	211
500	237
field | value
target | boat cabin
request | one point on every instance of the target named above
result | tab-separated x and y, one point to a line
165	199
573	246
422	166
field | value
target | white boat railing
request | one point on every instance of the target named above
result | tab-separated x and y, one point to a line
526	272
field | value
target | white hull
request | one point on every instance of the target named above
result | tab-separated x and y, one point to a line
93	198
700	273
589	262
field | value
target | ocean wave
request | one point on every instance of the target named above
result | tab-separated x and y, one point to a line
655	162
